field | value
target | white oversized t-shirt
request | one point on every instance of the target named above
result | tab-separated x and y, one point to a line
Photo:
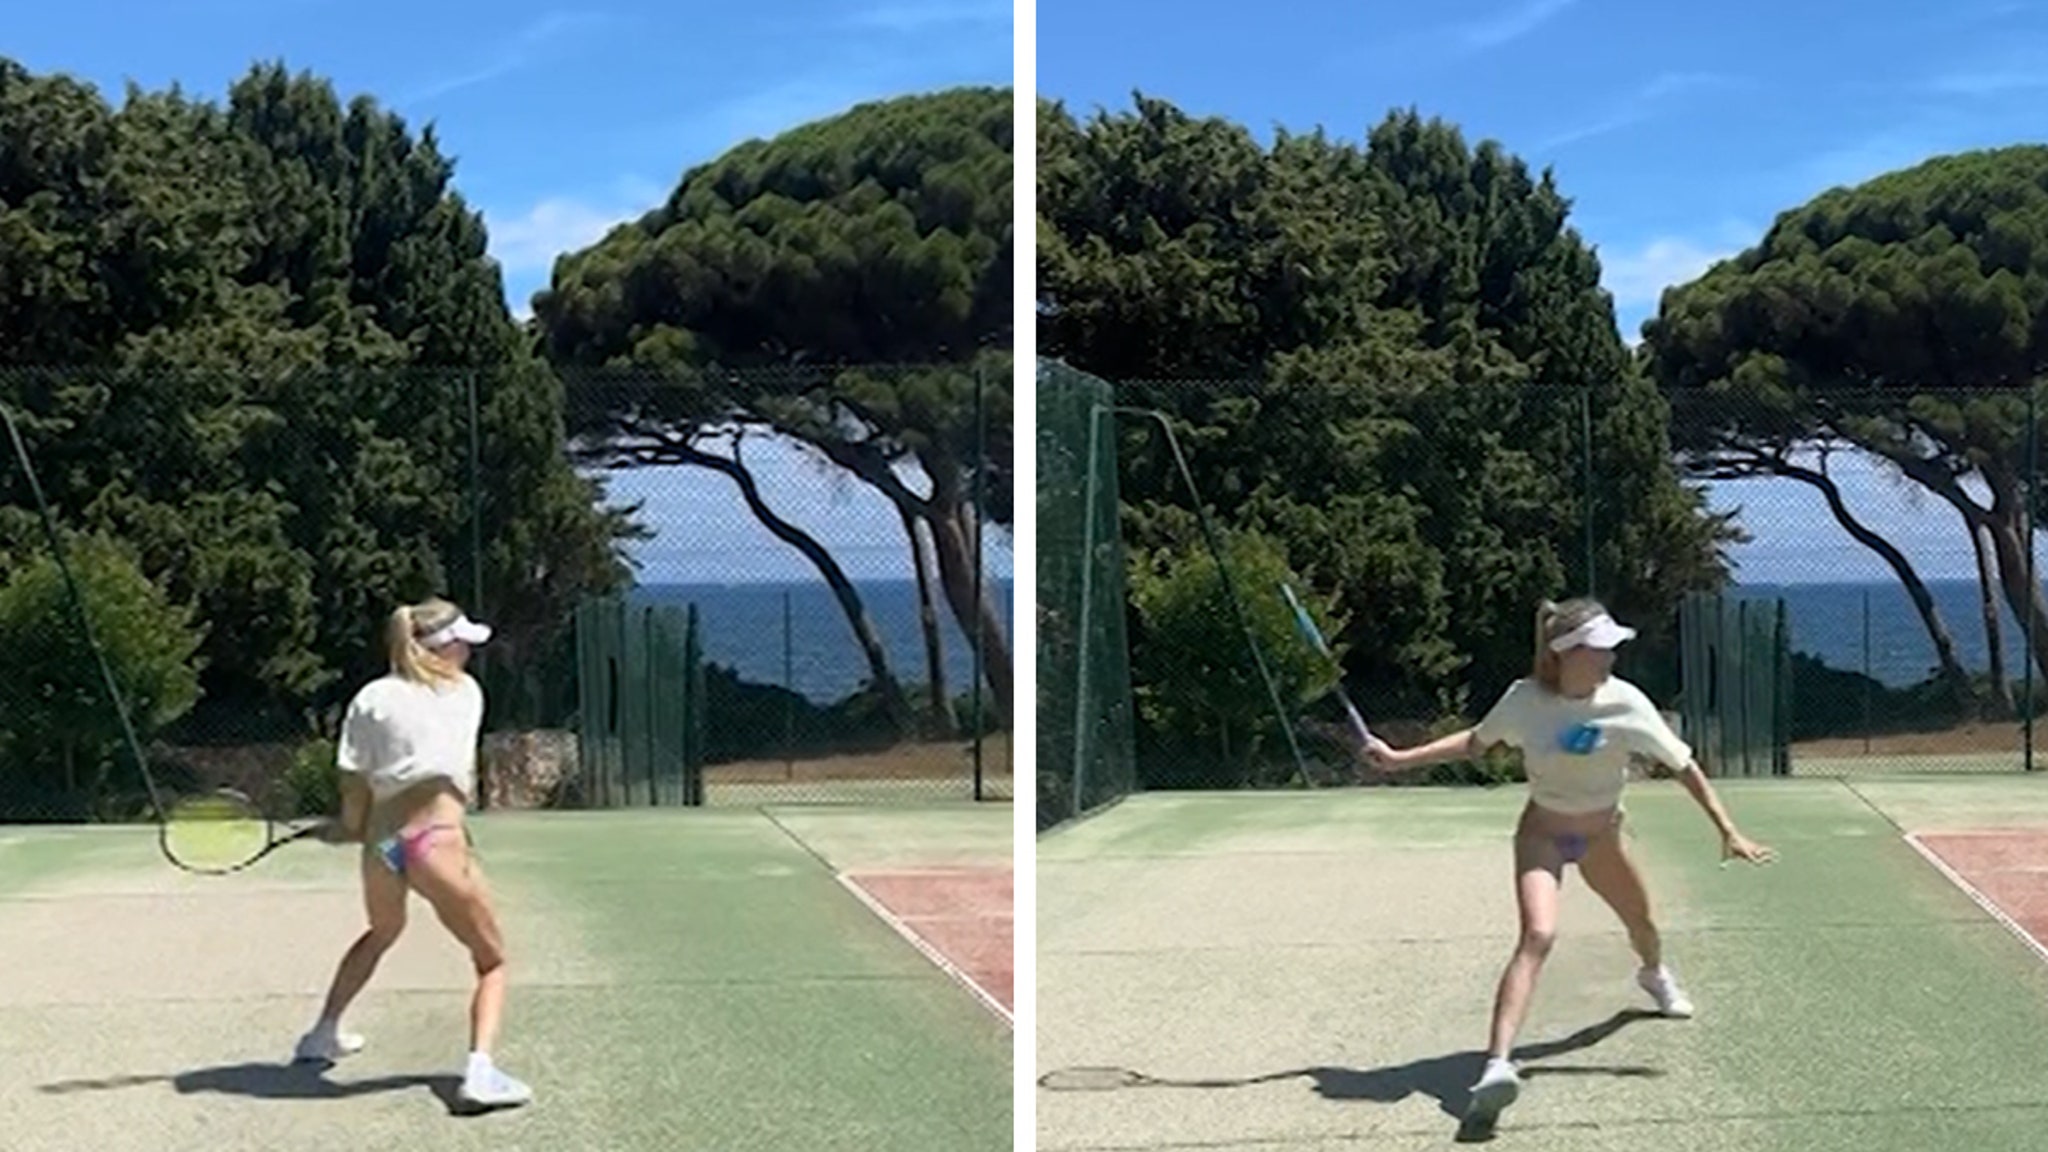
399	733
1617	720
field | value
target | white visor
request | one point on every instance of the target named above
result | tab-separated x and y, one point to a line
461	628
1599	632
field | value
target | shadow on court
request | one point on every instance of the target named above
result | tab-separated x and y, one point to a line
273	1082
1447	1079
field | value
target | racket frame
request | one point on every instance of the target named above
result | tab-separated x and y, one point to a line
1306	625
276	833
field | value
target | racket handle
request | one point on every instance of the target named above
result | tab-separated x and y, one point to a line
1358	728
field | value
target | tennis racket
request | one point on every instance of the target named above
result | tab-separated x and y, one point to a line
220	832
1306	625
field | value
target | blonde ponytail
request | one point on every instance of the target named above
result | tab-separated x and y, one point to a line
411	660
1554	620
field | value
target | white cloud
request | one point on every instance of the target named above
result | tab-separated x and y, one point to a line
530	241
1510	25
511	53
1637	278
1644	102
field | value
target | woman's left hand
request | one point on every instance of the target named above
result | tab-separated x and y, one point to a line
1736	846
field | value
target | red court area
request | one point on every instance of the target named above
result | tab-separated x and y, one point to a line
963	919
2004	871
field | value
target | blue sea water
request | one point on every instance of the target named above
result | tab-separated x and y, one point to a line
1873	626
795	635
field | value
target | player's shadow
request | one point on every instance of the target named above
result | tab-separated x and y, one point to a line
306	1081
1447	1079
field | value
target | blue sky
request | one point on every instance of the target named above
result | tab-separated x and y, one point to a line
565	119
1678	132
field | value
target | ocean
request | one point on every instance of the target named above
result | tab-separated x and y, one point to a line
1829	621
795	636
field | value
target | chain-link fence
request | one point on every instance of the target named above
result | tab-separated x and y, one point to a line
1085	752
241	536
1824	583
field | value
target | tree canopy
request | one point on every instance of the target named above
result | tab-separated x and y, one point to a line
244	337
1906	318
59	751
1383	356
846	284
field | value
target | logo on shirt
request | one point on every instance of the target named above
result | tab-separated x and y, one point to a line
1581	739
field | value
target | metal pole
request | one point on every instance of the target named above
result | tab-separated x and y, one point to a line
1230	590
476	504
476	550
1085	623
1866	671
35	488
980	494
650	727
2033	584
1781	654
789	698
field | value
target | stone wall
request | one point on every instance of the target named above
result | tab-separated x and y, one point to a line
527	769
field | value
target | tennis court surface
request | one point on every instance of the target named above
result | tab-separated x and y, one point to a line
680	980
1314	971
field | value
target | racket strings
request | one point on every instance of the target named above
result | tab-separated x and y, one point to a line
217	832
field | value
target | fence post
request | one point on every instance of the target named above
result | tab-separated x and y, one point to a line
476	548
694	735
1089	488
980	495
789	686
1781	654
2033	586
1866	671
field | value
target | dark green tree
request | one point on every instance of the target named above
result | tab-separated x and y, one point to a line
1386	357
1209	716
773	291
1905	318
246	338
60	738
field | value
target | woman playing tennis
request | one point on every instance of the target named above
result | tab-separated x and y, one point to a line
408	768
1576	725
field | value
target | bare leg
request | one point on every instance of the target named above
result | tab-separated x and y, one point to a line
1614	877
450	882
384	902
1539	876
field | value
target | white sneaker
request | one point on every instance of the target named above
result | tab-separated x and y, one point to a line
1671	999
1498	1087
324	1044
485	1086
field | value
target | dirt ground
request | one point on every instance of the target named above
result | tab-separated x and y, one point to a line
935	761
1997	736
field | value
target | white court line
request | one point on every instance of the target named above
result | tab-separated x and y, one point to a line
1990	907
932	954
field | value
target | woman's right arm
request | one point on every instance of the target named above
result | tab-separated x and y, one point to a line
1461	745
352	753
354	820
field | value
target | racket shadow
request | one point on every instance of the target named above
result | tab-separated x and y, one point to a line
1447	1079
259	1081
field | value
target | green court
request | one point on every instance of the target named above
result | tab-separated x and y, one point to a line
1315	971
680	980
